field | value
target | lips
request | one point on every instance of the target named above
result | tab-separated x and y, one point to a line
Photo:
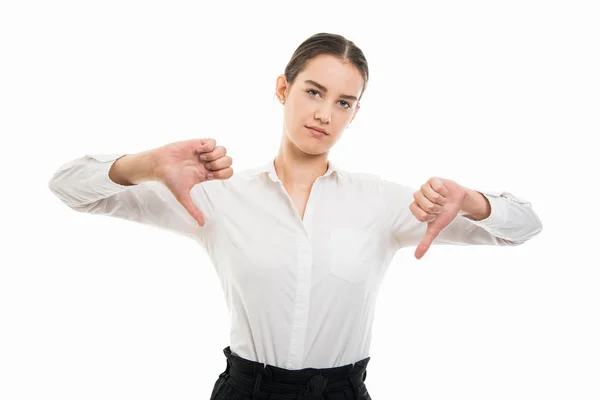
316	128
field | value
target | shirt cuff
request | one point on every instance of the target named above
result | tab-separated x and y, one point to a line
98	178
498	214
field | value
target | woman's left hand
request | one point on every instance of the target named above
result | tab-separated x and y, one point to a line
438	202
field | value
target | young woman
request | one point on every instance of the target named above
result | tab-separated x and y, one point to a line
300	246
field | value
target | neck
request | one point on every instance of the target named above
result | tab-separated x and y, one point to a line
296	168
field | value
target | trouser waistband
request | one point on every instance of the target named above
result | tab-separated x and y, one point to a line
255	378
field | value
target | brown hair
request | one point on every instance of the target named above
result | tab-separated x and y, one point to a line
327	43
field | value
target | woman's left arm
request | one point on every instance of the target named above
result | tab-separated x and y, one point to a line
444	212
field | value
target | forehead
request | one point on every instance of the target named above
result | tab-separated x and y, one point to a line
336	76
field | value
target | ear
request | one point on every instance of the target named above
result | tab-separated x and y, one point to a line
281	86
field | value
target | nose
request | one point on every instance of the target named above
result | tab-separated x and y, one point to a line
323	114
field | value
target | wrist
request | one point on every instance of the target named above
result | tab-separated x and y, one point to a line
475	205
132	169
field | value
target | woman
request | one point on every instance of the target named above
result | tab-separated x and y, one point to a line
300	246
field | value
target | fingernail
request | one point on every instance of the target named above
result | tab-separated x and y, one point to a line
210	176
203	158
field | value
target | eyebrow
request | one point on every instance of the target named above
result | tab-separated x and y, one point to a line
324	89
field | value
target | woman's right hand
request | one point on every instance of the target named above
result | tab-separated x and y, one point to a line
179	167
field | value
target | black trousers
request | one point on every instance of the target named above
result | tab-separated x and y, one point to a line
249	380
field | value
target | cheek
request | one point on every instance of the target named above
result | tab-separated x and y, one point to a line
299	115
305	105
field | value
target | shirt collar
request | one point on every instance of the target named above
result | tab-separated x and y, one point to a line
269	168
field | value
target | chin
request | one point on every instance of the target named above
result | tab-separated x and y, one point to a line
307	144
316	152
313	149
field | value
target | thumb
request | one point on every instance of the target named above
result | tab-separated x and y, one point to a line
186	201
430	235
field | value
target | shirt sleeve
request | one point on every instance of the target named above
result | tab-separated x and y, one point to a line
83	184
512	220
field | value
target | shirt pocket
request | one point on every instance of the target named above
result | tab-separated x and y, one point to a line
349	253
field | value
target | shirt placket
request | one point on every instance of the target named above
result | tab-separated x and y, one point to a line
303	280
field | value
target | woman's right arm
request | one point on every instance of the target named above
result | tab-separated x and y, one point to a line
126	186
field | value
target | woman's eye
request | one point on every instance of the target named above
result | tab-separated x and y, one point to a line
345	105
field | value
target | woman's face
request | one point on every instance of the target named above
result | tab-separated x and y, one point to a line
324	95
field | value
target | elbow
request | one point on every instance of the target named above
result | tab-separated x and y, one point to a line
55	189
66	198
52	184
537	227
523	232
534	232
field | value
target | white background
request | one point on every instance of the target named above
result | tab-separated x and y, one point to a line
494	95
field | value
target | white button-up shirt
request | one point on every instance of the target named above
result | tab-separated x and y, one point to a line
301	292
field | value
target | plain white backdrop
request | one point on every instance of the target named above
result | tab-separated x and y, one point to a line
496	96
